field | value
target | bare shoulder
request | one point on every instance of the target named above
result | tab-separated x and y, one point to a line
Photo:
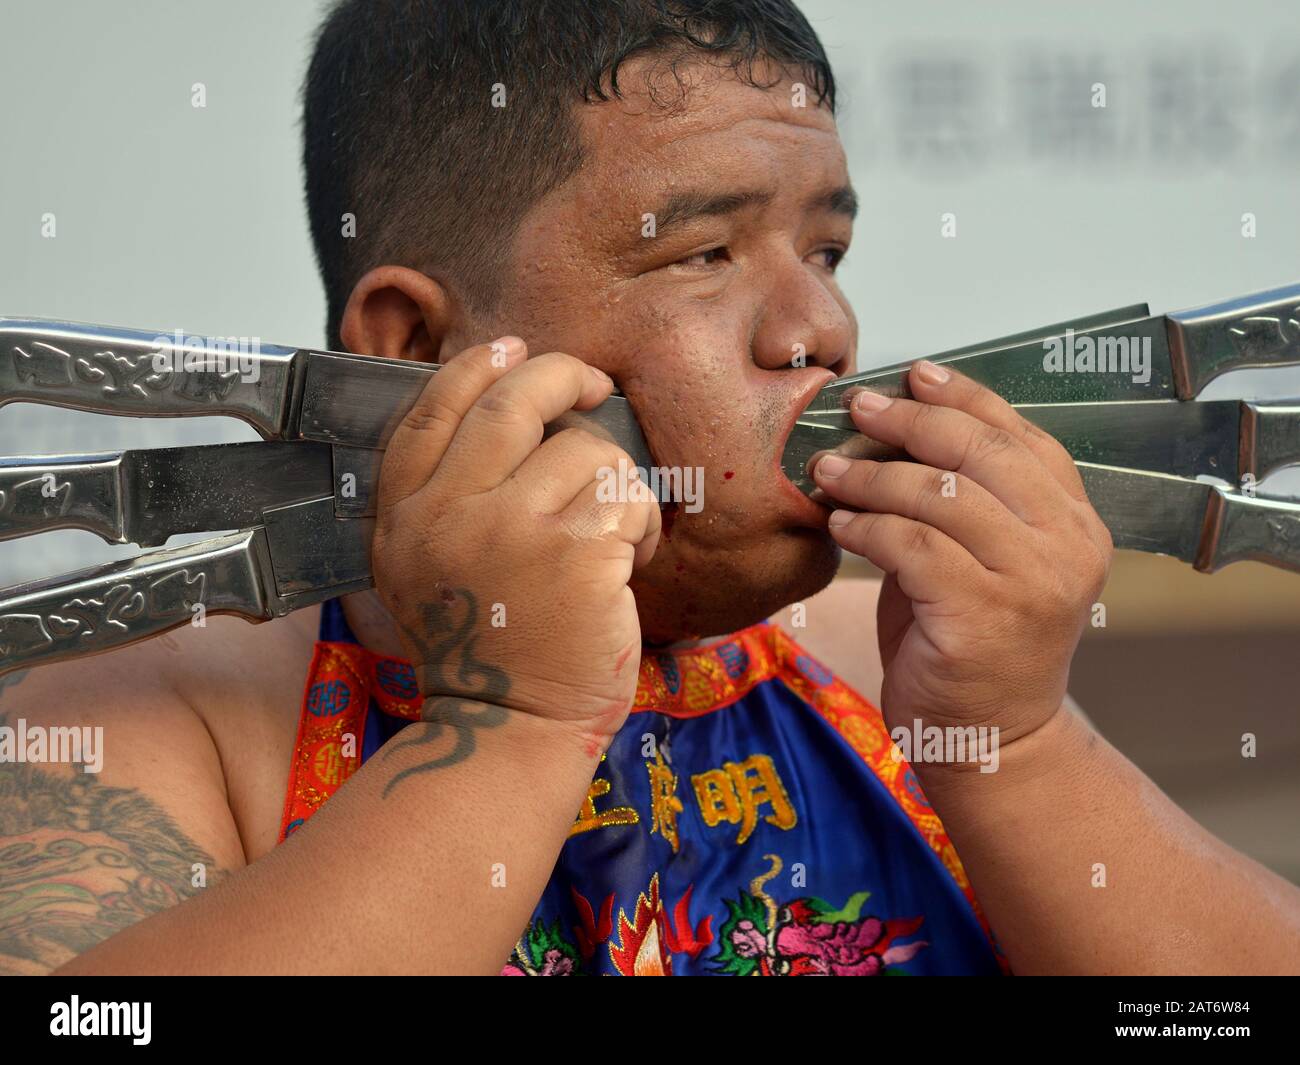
114	797
838	627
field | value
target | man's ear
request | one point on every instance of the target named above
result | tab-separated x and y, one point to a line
397	313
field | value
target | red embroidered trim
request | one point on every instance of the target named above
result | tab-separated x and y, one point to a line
340	683
699	680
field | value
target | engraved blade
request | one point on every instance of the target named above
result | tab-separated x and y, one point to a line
301	555
111	370
107	607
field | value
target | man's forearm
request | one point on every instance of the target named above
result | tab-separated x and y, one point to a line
430	859
1066	814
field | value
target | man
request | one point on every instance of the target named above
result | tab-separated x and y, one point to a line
544	196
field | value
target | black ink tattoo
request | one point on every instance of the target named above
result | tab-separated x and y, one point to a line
79	862
462	692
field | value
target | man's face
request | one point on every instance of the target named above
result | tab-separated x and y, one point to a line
702	325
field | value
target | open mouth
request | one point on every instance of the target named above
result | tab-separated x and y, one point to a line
797	445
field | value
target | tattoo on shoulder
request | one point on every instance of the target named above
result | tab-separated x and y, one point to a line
448	662
80	861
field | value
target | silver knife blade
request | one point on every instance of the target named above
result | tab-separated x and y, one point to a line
1222	438
301	554
1150	512
1204	524
1162	357
147	496
357	401
284	393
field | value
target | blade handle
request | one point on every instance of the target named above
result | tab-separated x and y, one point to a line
1262	329
108	370
69	492
1240	527
110	606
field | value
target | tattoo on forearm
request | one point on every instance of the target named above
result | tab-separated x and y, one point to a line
79	862
462	692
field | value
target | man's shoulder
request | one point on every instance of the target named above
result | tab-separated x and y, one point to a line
200	667
201	719
837	626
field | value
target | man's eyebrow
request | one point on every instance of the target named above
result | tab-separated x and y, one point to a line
842	200
683	207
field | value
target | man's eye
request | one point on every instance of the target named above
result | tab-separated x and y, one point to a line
704	258
831	257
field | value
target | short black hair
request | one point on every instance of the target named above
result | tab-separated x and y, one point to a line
399	127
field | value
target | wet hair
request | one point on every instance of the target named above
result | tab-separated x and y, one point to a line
400	131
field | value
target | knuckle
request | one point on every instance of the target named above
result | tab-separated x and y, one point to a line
433	413
1032	434
927	417
865	475
987	441
586	445
924	490
504	405
920	539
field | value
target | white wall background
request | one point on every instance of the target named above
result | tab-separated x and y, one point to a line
170	216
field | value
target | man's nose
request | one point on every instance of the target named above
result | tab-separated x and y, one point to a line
802	325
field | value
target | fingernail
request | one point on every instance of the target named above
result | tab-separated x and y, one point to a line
838	518
868	402
601	376
931	374
832	465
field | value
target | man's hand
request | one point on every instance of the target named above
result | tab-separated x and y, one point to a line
992	554
501	563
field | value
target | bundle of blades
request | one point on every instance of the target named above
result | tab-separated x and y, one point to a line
302	499
1168	473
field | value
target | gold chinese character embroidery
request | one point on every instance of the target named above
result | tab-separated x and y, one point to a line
664	803
736	792
589	817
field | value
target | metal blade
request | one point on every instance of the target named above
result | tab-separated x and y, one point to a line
107	607
1185	438
284	393
1162	357
301	555
146	496
832	397
1204	524
357	401
1222	438
110	370
1150	511
1138	349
